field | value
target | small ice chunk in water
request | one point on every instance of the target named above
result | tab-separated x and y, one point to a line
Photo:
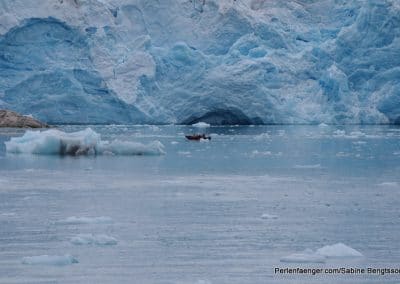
339	132
307	256
257	153
85	220
262	136
56	260
154	128
268	216
90	239
323	125
316	166
338	250
389	184
201	124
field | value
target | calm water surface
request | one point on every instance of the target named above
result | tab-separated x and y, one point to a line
194	214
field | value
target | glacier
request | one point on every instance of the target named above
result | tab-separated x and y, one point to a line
186	61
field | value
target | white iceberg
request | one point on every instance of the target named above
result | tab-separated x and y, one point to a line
338	250
389	184
262	136
85	142
90	239
307	256
56	260
257	153
268	216
85	220
314	166
201	125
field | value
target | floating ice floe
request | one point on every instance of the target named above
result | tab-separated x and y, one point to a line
316	166
201	124
323	125
262	136
307	256
257	153
85	220
90	239
268	216
85	142
389	184
56	260
342	154
338	250
339	133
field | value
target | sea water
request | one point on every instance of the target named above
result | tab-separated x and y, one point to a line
228	210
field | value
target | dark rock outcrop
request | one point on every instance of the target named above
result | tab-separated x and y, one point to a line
12	119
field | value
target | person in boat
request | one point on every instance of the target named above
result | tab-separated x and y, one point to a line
198	137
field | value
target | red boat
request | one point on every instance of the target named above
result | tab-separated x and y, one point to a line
197	137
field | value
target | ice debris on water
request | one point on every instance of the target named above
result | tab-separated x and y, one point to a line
85	142
338	250
201	125
90	239
307	256
55	260
268	216
85	220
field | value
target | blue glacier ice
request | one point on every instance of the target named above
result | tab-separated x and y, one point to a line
185	61
84	142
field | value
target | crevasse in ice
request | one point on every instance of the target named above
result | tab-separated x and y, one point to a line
221	62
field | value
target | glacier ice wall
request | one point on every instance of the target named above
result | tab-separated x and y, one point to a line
223	62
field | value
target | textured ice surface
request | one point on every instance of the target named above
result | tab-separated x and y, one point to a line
56	260
85	220
90	239
225	62
85	142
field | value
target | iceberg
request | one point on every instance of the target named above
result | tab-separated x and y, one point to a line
85	142
55	260
90	239
338	250
73	220
268	216
221	62
308	256
201	124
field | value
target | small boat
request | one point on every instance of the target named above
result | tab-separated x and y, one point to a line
197	137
